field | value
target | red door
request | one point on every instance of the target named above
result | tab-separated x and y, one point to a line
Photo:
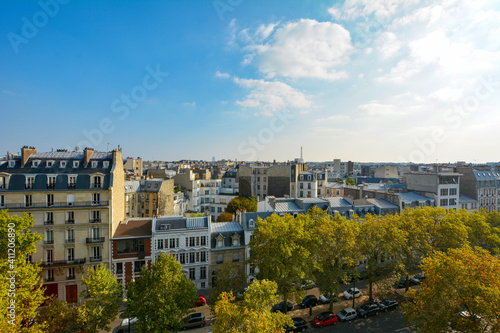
72	294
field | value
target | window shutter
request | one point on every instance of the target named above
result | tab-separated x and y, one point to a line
197	241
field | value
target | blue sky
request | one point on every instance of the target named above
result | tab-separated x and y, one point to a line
358	80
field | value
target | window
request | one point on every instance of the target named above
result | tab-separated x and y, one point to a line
50	275
76	164
301	194
443	202
27	200
452	202
62	164
119	268
71	181
182	258
138	265
444	191
203	272
49	237
2	201
191	241
192	273
131	245
220	258
30	181
105	164
191	257
220	243
309	186
96	233
95	216
51	181
71	273
172	243
35	164
70	254
70	236
236	242
49	255
453	191
50	200
12	163
212	209
96	253
94	164
96	182
49	164
236	257
203	240
159	244
49	218
96	198
203	256
70	217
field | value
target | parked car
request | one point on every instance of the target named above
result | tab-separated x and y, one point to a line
388	304
347	314
307	284
201	301
402	282
281	307
193	320
324	299
352	292
419	277
368	309
325	319
124	326
300	325
309	300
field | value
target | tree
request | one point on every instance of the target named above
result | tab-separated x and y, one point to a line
281	249
103	295
240	203
462	279
481	232
379	240
335	239
350	181
59	317
161	297
445	228
21	292
225	217
253	315
230	277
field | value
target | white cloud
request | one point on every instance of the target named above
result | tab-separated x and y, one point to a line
375	109
222	75
353	9
389	44
447	94
303	49
189	105
272	96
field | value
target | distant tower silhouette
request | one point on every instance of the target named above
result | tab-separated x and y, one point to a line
301	153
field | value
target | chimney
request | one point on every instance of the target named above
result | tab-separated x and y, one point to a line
26	152
87	153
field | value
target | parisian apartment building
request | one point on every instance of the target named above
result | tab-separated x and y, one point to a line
77	201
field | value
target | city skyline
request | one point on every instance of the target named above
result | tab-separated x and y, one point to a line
251	80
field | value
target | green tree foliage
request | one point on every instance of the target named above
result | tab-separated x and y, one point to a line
239	203
225	217
462	279
253	315
103	296
161	297
482	231
177	188
59	317
446	229
379	240
281	249
20	285
335	240
350	181
230	277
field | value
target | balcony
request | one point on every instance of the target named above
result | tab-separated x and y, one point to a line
50	279
95	220
70	221
51	186
70	277
95	259
95	240
96	185
48	222
70	241
71	186
56	204
63	262
48	241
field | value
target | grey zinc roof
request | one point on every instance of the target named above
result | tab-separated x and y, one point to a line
484	174
96	155
465	199
412	196
220	227
338	202
132	186
382	203
288	206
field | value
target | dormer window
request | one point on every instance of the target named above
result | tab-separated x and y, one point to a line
12	163
76	164
2	183
30	181
252	223
105	164
96	182
62	164
235	240
49	164
71	181
94	164
51	181
35	164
